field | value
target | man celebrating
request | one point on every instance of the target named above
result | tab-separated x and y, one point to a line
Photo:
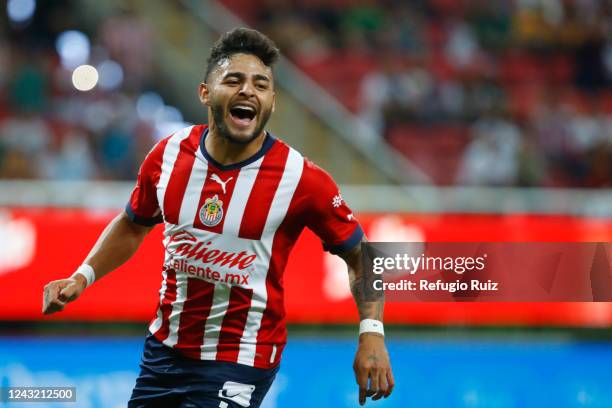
234	200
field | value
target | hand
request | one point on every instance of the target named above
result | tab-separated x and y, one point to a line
58	293
372	363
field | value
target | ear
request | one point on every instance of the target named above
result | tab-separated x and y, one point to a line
273	102
203	93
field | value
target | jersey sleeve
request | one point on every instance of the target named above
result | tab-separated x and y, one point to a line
326	212
143	206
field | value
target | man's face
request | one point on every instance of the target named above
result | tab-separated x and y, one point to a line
240	95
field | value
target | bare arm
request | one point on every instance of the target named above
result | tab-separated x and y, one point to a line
367	309
117	243
372	366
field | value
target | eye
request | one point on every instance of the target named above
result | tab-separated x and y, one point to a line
262	86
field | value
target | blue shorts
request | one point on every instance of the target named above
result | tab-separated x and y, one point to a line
167	379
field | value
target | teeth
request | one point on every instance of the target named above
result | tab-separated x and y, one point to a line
249	108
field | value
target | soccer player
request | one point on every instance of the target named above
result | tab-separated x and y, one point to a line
233	199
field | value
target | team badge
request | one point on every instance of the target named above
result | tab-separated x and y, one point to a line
211	212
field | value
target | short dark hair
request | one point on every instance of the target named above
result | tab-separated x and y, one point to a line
242	41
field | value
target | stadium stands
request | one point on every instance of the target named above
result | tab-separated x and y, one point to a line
404	64
425	74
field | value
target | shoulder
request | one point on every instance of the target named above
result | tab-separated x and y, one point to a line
312	178
191	133
284	158
171	144
316	185
316	178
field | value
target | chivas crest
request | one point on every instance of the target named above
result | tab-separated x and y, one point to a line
211	212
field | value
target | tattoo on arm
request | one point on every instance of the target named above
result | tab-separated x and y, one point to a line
368	308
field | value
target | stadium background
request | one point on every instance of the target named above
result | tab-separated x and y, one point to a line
442	120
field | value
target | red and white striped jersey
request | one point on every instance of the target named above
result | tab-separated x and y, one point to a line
228	234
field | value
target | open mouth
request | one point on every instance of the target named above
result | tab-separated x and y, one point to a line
242	115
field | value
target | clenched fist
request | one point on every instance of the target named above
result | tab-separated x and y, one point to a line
60	292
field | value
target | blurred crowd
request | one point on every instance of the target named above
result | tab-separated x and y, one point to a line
49	129
476	92
522	86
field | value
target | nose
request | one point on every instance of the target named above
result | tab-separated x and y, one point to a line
247	89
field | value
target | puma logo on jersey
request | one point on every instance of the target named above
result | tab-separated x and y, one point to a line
216	178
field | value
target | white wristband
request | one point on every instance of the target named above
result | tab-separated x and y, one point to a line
88	272
371	326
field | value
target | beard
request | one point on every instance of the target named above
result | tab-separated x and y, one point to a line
219	115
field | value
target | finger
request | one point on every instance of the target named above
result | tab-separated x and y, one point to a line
58	305
362	380
55	287
54	306
53	292
382	385
51	289
49	294
68	293
45	301
391	382
52	301
57	302
373	383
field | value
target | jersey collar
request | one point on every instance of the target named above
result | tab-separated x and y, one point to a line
265	147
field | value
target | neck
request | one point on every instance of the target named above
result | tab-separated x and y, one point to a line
227	152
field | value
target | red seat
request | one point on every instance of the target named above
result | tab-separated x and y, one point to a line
523	99
519	67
